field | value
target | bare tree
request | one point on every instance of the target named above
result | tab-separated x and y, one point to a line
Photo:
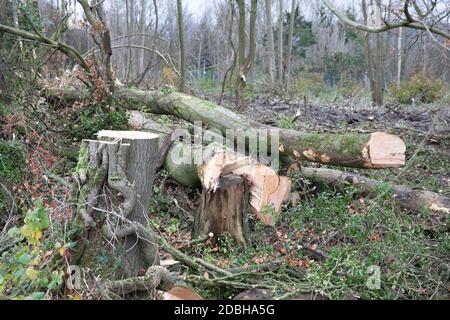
280	42
130	57
400	56
379	72
290	35
182	84
270	48
245	62
406	20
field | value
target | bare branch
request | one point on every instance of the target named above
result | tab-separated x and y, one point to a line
409	23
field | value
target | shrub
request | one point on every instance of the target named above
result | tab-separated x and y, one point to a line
348	88
419	88
12	172
310	84
32	266
95	119
286	122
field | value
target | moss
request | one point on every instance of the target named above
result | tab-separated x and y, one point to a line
349	144
83	155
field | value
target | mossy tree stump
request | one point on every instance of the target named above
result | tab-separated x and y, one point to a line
115	182
223	210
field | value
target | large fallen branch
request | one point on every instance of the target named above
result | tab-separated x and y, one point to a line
377	150
410	199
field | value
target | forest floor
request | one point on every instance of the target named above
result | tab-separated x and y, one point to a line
334	243
331	245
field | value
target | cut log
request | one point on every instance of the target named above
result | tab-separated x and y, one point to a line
378	150
223	210
409	199
115	181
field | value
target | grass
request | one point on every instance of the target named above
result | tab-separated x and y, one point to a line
364	239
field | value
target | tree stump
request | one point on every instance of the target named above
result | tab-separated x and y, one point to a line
115	177
224	211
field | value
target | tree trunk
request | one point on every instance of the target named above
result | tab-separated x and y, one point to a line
370	67
280	43
15	19
128	30
270	49
400	56
290	35
3	19
379	70
142	30
377	150
409	199
245	62
116	178
182	85
224	210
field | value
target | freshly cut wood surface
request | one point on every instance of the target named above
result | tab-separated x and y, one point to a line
181	293
267	188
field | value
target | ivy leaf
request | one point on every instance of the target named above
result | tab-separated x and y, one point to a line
24	258
31	274
36	296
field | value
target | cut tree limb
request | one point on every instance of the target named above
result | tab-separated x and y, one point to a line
410	199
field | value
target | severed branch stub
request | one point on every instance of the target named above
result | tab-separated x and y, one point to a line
115	181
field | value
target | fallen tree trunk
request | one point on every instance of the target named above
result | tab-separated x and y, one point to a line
377	150
409	199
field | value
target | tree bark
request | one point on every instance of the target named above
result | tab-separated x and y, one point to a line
115	181
130	56
245	62
224	210
182	85
370	67
270	48
379	70
15	19
142	29
280	43
290	35
400	56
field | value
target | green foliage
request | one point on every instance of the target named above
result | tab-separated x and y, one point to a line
309	84
370	234
209	84
12	171
286	122
28	270
95	119
348	87
420	88
12	161
303	36
341	64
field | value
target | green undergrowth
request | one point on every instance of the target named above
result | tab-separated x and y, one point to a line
373	249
